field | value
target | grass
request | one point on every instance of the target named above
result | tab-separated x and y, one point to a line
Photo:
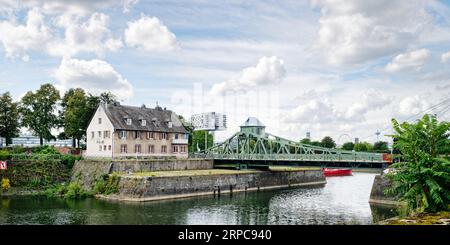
288	168
191	172
420	219
214	171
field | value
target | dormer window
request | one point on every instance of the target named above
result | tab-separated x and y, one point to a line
129	121
154	122
169	124
99	120
144	122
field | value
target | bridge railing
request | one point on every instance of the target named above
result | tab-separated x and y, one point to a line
293	157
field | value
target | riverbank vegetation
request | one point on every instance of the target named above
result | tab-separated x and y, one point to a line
328	142
43	110
422	180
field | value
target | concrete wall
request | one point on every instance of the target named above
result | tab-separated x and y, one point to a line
87	171
133	188
377	196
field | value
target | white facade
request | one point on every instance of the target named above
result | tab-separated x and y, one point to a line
98	144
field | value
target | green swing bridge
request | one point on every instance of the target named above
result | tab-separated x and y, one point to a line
253	147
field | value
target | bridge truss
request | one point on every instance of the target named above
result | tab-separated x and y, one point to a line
268	147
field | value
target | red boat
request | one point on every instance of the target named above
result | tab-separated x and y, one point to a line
336	172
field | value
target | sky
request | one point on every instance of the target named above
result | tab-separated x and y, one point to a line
342	68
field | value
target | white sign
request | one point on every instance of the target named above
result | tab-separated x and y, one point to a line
210	121
3	165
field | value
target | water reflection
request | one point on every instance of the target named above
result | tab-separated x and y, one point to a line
344	200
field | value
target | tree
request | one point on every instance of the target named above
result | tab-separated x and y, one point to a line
76	114
39	111
9	118
363	147
306	141
197	140
316	143
381	147
348	146
422	180
328	142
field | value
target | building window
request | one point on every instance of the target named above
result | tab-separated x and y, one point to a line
129	121
104	147
183	149
163	149
151	149
123	148
186	136
109	147
99	120
137	134
150	135
175	136
123	134
100	148
106	134
175	149
92	134
143	122
164	136
137	148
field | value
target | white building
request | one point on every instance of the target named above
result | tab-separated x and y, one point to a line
128	131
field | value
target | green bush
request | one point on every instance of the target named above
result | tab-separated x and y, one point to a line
69	160
46	149
4	155
73	190
107	184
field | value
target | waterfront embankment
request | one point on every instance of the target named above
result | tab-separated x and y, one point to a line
149	186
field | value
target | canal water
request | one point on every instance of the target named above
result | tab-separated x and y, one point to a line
343	200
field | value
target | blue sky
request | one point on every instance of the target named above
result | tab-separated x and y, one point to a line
331	67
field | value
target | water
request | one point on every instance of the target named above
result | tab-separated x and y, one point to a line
343	200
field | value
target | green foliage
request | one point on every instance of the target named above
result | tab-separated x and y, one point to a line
305	141
4	155
107	184
348	146
381	147
328	142
9	118
423	180
197	140
76	113
73	190
46	149
316	143
38	111
36	174
363	147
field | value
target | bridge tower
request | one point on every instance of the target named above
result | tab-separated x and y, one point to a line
254	126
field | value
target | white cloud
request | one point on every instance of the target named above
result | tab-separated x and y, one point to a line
411	60
315	111
269	70
17	39
150	34
354	31
412	105
95	76
445	57
80	35
91	36
372	100
79	7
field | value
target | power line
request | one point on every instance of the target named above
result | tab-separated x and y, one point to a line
431	108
